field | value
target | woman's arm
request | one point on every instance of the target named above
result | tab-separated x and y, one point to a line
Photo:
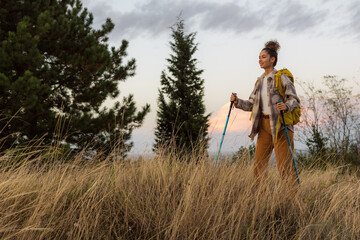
247	105
292	100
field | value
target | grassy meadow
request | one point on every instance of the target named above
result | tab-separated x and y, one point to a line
162	198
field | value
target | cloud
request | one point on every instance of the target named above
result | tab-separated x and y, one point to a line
295	18
154	17
230	17
157	16
354	25
344	19
238	121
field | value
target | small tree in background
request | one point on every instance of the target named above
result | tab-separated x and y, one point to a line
312	132
53	63
330	123
181	120
244	154
342	114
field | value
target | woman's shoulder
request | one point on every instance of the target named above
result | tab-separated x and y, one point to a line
285	74
258	80
285	79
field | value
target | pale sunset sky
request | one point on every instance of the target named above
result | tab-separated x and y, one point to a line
317	38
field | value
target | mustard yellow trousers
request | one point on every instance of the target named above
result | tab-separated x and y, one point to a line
264	147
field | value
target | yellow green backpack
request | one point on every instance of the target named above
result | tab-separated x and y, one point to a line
293	117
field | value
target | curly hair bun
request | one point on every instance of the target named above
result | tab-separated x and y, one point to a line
273	45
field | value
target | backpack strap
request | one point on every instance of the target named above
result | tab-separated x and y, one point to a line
252	110
278	85
277	129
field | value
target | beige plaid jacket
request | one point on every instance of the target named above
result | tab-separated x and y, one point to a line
254	102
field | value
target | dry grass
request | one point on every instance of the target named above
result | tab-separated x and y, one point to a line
162	198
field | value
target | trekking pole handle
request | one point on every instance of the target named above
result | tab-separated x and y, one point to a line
232	102
281	112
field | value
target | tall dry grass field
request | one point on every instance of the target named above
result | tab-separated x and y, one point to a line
163	198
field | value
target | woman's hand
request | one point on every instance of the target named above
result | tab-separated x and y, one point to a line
281	106
234	98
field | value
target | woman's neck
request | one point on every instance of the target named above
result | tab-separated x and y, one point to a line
268	70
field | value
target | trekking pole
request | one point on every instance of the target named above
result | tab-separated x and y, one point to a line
288	139
222	138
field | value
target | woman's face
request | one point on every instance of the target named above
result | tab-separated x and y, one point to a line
265	61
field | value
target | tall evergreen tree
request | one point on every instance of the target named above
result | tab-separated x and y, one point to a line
53	63
181	120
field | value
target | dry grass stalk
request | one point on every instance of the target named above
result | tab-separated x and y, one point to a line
163	198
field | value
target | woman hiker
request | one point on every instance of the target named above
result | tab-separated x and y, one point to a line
264	102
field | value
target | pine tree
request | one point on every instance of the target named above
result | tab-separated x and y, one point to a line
181	120
54	64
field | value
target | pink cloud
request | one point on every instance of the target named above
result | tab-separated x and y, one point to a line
238	122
